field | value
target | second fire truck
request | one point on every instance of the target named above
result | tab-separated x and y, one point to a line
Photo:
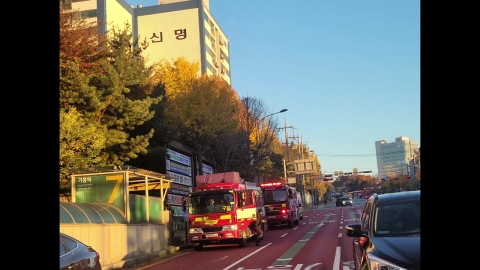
281	204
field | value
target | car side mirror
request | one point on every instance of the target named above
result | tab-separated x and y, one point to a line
355	230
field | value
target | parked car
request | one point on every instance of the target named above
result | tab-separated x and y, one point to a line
75	255
344	201
388	233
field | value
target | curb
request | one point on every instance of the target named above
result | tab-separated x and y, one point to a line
147	260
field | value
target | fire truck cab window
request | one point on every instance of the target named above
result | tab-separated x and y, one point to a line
272	196
211	203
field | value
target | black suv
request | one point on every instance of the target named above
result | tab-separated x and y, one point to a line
388	233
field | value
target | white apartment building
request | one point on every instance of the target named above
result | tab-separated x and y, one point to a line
173	29
393	159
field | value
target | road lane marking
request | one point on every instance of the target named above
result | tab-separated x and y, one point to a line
289	254
339	235
283	235
336	262
251	254
310	266
341	227
348	265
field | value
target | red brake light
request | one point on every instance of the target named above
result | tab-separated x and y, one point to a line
284	211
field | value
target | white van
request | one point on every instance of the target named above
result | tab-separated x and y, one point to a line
300	205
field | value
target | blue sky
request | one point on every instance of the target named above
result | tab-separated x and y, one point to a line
347	71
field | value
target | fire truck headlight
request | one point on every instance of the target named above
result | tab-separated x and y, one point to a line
196	230
229	228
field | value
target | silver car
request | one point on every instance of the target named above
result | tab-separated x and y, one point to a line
346	201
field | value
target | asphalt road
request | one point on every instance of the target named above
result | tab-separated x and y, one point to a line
318	242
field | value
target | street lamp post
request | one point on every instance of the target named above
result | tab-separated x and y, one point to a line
248	143
258	143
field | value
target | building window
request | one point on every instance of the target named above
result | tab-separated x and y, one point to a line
88	14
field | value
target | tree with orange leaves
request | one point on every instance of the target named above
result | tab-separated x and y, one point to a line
80	41
206	107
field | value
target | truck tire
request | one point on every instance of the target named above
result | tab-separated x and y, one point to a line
290	223
198	247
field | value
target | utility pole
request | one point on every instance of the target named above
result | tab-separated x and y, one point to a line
299	180
286	139
286	160
288	154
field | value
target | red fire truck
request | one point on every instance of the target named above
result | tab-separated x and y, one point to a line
221	208
281	204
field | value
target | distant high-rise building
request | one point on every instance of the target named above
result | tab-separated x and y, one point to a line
173	29
393	159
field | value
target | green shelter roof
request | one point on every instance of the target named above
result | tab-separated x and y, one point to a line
74	213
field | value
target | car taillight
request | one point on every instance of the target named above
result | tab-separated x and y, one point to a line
284	211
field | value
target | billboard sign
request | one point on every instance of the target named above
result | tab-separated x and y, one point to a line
100	188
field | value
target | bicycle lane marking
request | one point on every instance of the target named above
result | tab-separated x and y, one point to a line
289	254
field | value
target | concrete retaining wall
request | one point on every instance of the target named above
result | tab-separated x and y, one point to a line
122	245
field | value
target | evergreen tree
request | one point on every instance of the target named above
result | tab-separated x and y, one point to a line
108	84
